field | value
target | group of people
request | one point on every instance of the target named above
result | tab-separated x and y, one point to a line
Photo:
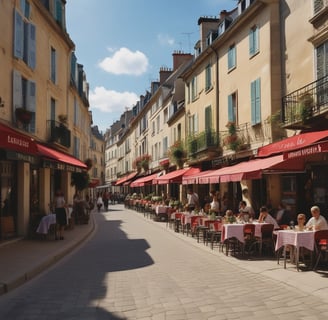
246	213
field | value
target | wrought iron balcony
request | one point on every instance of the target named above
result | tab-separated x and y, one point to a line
202	142
307	106
58	132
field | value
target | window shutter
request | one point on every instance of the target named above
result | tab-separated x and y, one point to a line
31	46
251	42
18	36
30	96
231	112
58	11
17	90
208	118
256	101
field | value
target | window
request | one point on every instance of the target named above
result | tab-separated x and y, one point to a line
193	88
318	5
322	72
179	134
53	65
25	41
165	146
208	77
253	41
76	147
25	8
193	124
24	96
158	123
208	118
52	109
166	116
232	107
232	57
256	101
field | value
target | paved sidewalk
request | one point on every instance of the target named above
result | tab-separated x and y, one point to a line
22	260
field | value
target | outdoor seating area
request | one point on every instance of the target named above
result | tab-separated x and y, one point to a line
303	250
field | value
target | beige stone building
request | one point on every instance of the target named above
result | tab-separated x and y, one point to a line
44	116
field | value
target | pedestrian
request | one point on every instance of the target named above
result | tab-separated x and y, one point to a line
99	202
192	200
60	211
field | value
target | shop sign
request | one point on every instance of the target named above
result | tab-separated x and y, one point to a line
13	155
312	149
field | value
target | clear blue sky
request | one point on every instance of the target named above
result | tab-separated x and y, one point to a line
122	45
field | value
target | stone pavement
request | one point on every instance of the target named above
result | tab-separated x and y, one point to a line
23	259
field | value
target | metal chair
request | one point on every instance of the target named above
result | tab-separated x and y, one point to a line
321	246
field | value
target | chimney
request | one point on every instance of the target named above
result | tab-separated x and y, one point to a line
164	73
180	58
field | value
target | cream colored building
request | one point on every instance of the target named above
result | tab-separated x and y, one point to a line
45	121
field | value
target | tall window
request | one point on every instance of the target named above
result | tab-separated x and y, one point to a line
25	40
322	71
208	118
193	124
165	146
232	107
253	41
232	57
193	88
52	109
53	65
208	77
256	101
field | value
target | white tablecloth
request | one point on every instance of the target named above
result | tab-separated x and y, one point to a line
45	223
295	238
161	209
235	230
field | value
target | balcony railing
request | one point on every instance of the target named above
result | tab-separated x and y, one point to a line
58	132
203	141
305	103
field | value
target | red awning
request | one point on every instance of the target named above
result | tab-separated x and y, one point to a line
253	169
307	151
145	180
292	143
59	156
125	178
175	176
194	179
16	141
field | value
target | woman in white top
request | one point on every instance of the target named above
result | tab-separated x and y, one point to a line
215	204
60	210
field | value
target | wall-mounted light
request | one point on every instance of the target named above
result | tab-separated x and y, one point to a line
2	103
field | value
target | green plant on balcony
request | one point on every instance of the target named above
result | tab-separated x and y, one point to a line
62	118
232	141
141	162
177	153
305	106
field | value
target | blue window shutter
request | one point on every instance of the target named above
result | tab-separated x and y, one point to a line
31	60
17	90
18	36
58	11
31	95
258	101
251	42
73	67
231	113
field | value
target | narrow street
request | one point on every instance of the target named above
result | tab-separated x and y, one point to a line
134	268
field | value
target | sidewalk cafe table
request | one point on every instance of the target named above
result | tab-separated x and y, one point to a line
297	239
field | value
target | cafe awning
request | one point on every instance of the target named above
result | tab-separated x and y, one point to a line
16	141
125	178
140	182
292	143
175	176
59	156
194	178
253	169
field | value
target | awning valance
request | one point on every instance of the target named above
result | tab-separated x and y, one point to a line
16	141
59	156
292	143
194	178
175	176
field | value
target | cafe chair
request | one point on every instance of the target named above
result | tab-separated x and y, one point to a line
249	236
321	246
215	233
265	239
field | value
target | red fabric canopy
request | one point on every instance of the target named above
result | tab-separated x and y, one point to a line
252	169
194	178
59	156
175	176
292	143
144	180
126	178
14	140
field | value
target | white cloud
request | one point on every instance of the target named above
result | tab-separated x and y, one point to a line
125	61
165	39
111	101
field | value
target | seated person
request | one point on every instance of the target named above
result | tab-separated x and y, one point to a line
282	215
317	222
245	212
300	222
266	217
229	217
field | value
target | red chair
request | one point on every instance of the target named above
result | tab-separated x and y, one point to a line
249	235
321	246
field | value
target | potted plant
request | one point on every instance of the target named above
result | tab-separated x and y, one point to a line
232	141
62	118
306	105
177	153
